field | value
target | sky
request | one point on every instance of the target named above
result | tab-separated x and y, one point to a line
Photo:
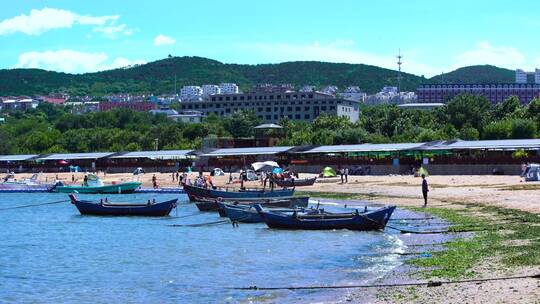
432	36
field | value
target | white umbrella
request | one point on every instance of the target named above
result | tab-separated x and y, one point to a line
267	165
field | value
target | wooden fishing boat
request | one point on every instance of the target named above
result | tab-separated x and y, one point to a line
197	193
285	202
128	187
95	185
291	183
248	214
137	209
370	220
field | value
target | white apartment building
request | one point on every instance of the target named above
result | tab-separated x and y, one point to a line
210	89
331	89
307	89
190	93
521	76
228	88
353	93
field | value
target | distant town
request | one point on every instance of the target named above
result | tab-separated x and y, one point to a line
271	102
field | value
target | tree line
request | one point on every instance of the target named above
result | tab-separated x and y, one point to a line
54	129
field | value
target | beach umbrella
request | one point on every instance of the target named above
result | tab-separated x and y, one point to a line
63	162
277	171
265	166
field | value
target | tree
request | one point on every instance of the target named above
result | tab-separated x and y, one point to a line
469	133
497	130
522	128
241	123
468	109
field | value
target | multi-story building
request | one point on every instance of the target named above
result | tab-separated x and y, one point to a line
228	88
271	107
493	92
353	93
18	104
210	89
190	93
331	89
536	75
307	89
521	76
272	88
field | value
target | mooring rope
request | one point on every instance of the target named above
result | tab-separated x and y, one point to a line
34	205
428	284
202	224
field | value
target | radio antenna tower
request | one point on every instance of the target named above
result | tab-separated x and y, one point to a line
399	62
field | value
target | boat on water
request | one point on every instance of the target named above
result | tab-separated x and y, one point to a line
197	193
248	214
291	183
367	220
149	208
10	183
95	185
285	202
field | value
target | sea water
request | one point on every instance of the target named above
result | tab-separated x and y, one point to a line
52	254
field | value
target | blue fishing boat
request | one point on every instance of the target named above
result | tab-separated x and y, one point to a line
248	214
138	209
370	220
197	193
292	202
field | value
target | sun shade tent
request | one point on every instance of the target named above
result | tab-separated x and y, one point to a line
328	172
74	156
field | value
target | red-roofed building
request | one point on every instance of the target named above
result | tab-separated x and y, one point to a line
53	100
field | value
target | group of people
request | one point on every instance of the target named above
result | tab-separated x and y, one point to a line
344	174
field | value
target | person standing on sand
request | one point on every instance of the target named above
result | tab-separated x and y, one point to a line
425	189
346	175
154	181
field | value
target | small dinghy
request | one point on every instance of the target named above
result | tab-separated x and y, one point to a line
248	214
285	202
149	208
292	183
197	193
368	220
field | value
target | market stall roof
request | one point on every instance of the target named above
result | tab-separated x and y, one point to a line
20	157
165	154
67	156
248	151
503	144
364	148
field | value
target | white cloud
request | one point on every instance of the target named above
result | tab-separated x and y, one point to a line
163	40
485	53
71	61
40	21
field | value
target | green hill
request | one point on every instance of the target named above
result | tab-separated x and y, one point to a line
481	74
158	77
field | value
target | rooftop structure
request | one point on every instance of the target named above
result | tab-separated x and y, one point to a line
70	156
136	106
247	151
188	93
228	88
164	154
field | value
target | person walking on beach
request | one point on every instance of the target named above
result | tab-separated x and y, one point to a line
346	171
341	173
154	181
425	189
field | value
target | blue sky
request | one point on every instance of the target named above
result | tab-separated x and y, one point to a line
434	36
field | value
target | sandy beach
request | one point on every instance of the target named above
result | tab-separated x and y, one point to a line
445	192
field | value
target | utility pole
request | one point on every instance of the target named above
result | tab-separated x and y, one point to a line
156	144
174	84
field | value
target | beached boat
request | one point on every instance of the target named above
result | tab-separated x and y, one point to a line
95	185
138	209
9	183
291	183
284	202
370	220
197	193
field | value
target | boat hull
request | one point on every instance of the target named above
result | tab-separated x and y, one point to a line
296	182
129	187
196	193
373	220
158	209
21	187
